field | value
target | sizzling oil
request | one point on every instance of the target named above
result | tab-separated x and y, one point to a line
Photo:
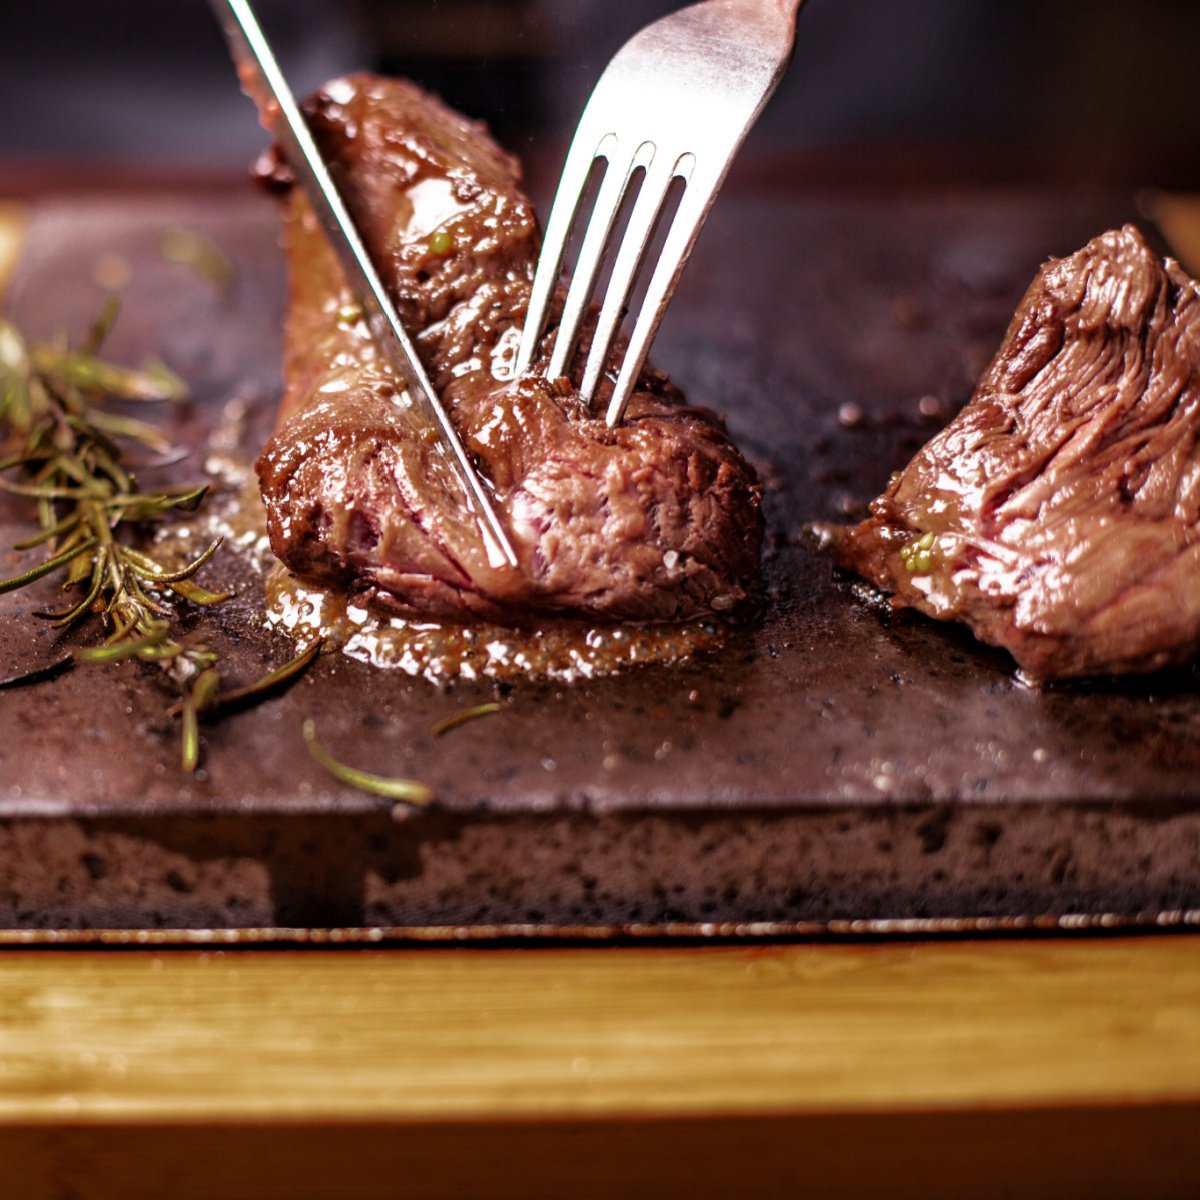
561	650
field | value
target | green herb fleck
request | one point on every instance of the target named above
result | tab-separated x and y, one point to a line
917	555
441	241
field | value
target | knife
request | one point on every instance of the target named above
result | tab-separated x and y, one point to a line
263	80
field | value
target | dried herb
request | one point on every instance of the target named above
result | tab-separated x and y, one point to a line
461	718
193	250
408	791
72	457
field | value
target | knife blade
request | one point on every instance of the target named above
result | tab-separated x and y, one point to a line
264	81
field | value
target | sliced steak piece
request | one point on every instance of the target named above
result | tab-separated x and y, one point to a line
1058	514
656	520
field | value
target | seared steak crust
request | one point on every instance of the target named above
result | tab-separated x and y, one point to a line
1058	515
656	520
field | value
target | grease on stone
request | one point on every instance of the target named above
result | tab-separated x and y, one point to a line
561	650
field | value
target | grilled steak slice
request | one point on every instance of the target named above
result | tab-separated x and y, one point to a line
1058	515
656	520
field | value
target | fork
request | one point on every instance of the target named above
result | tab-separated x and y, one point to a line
675	103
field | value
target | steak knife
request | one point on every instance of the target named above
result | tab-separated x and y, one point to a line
263	80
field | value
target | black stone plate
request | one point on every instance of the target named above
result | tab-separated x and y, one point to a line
833	767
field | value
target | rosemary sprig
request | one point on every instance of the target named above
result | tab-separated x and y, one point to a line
71	453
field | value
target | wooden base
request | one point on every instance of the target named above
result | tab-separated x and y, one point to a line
1145	1153
1013	1068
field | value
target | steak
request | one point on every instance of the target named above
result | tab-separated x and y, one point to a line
656	520
1058	515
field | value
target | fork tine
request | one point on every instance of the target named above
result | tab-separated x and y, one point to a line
685	80
693	207
591	254
632	251
554	244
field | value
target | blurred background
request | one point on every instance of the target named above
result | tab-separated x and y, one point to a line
921	91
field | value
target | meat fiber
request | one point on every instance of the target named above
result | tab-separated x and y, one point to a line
655	520
1058	515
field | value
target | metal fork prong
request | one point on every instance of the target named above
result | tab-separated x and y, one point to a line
571	187
591	255
693	208
634	242
695	81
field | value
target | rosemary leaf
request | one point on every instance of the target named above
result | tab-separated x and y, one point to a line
14	357
241	697
82	567
146	506
132	429
49	533
42	491
62	464
155	381
205	688
102	325
106	466
407	791
186	499
199	698
195	251
148	569
47	567
189	750
195	594
291	670
461	718
162	652
189	742
26	458
126	647
60	620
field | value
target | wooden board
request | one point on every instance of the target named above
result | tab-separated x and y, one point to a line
918	1070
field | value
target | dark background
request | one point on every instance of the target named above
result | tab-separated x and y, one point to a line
1021	91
